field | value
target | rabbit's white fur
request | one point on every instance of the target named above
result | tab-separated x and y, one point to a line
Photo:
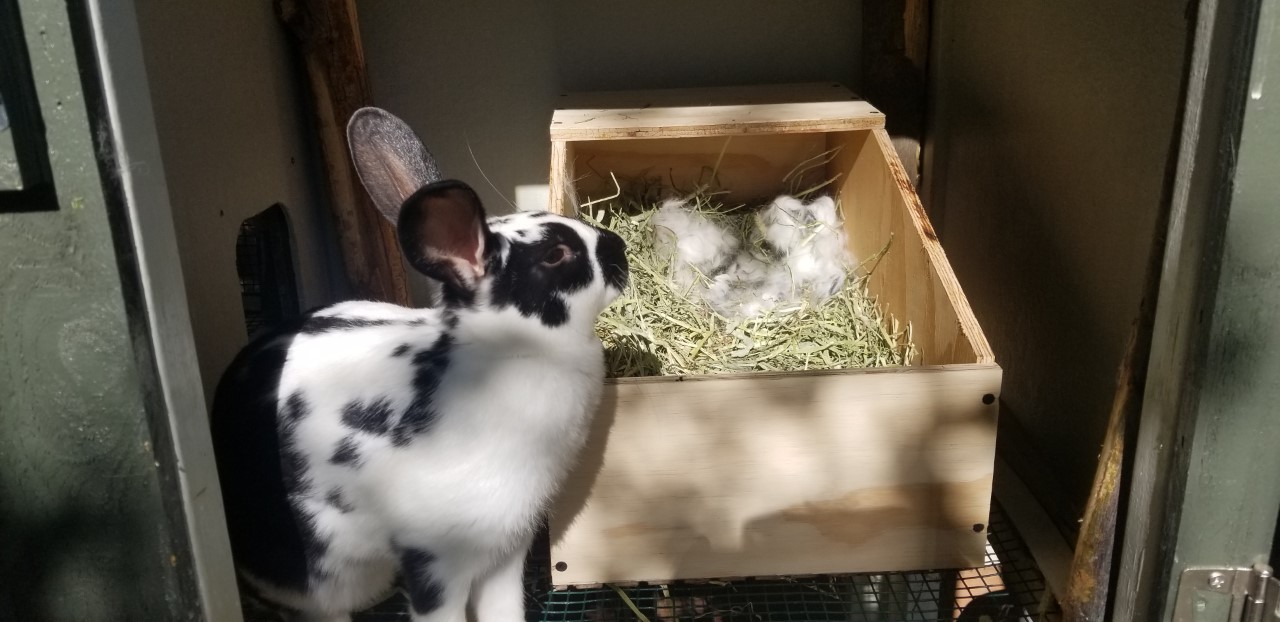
368	441
471	504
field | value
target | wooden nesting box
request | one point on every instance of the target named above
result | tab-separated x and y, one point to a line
766	474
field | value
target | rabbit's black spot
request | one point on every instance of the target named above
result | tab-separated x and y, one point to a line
418	322
335	499
425	592
401	350
313	546
428	367
316	325
295	407
611	253
535	289
373	417
252	462
260	466
346	453
293	465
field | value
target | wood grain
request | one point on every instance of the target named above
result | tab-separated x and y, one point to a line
712	112
781	474
913	281
1089	581
750	167
796	473
327	36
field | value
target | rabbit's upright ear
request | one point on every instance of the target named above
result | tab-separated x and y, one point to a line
389	157
443	233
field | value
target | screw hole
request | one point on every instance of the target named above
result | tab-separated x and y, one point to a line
978	527
988	399
561	566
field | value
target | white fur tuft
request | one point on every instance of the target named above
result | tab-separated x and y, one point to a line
693	243
810	264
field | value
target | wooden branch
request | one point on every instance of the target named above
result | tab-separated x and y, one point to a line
326	34
1092	578
1089	581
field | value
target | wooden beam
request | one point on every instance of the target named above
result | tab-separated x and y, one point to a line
326	34
1089	581
1093	578
895	51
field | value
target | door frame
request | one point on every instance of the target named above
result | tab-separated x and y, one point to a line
132	165
1203	490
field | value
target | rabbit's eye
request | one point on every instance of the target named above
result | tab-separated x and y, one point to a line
556	256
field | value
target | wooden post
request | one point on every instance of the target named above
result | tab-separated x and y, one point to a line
327	36
1092	578
895	52
1089	580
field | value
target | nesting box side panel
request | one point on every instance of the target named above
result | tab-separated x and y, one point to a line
746	168
912	280
561	180
715	111
694	121
781	474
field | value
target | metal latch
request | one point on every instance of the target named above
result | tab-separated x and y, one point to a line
1228	595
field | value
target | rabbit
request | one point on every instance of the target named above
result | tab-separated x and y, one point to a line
365	446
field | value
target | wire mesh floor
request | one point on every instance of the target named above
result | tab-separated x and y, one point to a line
1007	588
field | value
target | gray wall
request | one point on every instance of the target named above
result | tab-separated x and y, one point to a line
230	113
483	77
1051	127
83	530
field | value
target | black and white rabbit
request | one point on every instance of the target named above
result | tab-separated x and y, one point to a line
366	442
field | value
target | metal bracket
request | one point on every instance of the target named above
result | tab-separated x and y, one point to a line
1222	594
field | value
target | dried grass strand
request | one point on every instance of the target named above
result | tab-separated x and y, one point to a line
656	329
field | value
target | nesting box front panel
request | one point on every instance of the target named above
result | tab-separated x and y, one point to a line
781	474
765	474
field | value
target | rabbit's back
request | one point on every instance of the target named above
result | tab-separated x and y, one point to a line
388	425
292	418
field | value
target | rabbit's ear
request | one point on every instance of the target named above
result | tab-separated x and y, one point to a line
389	157
442	231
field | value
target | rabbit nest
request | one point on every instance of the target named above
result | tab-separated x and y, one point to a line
728	289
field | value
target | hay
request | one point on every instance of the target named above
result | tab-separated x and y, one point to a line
655	329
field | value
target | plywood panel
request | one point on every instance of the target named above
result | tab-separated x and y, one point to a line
913	280
748	167
560	181
766	474
712	112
